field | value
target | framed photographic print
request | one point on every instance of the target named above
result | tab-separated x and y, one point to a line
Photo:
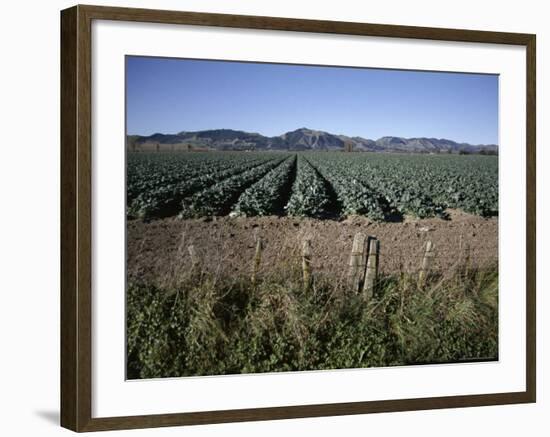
268	218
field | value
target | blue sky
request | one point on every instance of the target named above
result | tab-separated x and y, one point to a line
173	95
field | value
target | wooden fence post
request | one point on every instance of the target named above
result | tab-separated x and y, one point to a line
467	259
193	256
460	249
357	262
427	262
372	268
257	259
306	263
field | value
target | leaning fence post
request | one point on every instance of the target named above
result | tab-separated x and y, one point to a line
372	268
306	263
357	261
427	262
257	258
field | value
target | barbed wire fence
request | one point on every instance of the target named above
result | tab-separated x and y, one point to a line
365	258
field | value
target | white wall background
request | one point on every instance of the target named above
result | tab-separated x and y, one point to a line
29	214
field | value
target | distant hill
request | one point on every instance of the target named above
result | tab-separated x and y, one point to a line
299	139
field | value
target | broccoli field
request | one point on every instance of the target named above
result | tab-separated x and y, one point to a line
382	187
369	239
215	261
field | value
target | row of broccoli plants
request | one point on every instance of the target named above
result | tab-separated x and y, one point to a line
473	189
218	198
405	195
355	197
310	196
266	197
165	200
469	183
150	171
374	190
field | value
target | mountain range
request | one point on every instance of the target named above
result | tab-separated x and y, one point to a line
299	140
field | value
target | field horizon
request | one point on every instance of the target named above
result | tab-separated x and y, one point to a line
301	139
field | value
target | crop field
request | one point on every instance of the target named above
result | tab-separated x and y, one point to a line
216	261
381	187
286	248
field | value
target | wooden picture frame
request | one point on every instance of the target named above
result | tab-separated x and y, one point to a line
76	217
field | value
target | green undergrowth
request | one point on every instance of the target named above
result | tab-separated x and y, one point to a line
206	325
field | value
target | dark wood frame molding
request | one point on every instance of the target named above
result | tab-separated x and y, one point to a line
76	255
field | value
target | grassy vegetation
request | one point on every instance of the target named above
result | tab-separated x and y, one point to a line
198	324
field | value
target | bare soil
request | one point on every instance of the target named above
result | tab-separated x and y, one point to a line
226	245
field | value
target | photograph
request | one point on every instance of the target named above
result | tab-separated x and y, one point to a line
293	217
